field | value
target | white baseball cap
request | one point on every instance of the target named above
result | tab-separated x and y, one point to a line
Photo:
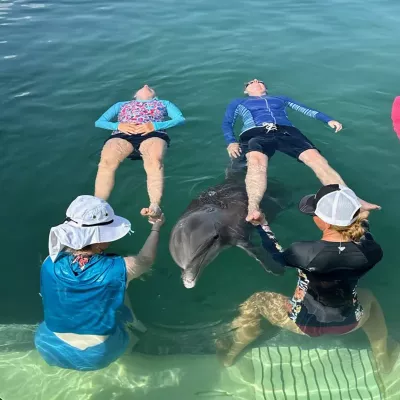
89	220
334	204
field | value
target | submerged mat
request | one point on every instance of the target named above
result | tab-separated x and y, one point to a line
291	373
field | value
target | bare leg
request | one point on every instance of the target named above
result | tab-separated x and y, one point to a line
326	174
272	306
374	325
113	153
153	151
247	326
256	182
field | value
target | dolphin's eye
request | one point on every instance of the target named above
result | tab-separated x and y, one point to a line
216	237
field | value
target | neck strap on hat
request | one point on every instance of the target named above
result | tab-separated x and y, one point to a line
68	219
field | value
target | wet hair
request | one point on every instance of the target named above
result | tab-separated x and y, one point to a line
151	89
355	231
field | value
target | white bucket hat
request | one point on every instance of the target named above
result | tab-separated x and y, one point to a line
89	220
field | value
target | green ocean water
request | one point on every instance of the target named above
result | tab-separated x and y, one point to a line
62	64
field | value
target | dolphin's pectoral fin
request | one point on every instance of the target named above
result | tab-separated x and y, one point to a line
262	256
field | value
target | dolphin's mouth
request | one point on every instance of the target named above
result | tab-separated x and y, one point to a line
190	282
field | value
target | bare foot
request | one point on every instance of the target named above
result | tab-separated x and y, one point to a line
222	346
253	216
365	206
387	364
153	212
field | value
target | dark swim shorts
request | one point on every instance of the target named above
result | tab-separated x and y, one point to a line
333	322
136	141
286	139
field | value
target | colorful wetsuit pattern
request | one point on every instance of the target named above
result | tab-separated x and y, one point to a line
140	112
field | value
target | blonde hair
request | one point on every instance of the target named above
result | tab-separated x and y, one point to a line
355	231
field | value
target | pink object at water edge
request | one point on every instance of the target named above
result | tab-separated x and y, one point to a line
396	115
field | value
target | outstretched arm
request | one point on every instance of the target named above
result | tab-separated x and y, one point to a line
174	113
105	120
310	112
231	113
141	263
270	243
268	240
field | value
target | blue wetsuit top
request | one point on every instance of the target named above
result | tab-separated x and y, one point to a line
83	295
256	110
142	111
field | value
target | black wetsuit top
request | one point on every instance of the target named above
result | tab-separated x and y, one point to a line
325	300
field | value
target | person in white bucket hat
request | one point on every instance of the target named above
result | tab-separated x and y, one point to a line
326	299
83	289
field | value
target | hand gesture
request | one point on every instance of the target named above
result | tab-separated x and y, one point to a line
234	150
335	125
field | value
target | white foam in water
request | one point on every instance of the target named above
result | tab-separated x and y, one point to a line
34	5
19	18
5	6
22	94
11	56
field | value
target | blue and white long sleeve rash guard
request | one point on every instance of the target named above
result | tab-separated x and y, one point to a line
256	110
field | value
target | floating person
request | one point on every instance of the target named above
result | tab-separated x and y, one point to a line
326	299
396	115
86	324
266	129
138	134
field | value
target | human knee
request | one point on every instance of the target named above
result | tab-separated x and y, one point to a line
313	157
365	296
153	163
114	152
256	159
108	162
255	303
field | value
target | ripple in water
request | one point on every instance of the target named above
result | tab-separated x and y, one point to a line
35	5
22	94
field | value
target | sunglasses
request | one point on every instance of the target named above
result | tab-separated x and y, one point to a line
249	83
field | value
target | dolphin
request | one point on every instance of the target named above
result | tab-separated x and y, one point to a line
215	221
